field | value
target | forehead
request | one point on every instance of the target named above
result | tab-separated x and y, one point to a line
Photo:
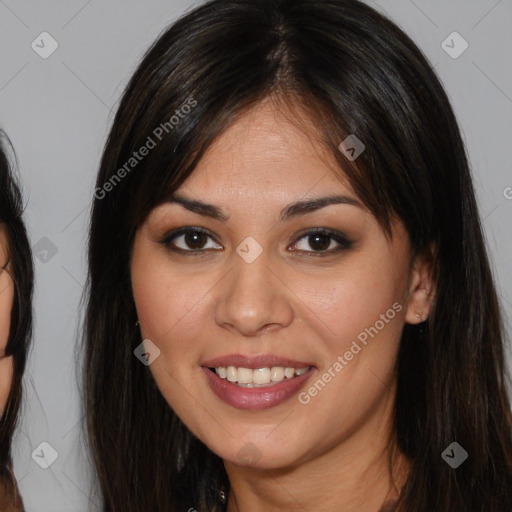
267	154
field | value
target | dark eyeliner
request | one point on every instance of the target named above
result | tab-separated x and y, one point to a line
169	237
344	242
337	236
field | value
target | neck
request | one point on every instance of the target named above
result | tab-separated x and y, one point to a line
364	472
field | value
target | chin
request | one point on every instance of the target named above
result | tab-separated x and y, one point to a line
262	455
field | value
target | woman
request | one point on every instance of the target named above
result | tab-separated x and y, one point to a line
279	315
16	283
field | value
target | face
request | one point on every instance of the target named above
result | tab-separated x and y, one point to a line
300	314
6	301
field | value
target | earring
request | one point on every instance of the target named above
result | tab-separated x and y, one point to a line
420	315
137	323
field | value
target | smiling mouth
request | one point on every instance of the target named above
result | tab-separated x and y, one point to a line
258	377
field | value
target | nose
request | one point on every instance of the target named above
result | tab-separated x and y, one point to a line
253	298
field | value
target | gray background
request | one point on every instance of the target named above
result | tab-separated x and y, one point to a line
57	112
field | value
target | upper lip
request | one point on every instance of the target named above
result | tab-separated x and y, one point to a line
254	361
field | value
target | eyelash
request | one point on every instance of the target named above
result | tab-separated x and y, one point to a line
340	238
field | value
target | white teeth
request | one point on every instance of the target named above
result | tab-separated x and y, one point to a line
277	374
231	374
259	377
289	372
244	376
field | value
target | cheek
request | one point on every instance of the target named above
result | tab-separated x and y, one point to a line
171	308
349	301
359	314
170	305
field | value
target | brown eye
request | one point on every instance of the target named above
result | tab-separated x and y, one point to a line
194	239
189	240
323	241
319	242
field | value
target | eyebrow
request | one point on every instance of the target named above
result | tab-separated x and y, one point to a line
291	211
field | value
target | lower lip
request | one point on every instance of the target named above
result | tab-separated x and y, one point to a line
255	398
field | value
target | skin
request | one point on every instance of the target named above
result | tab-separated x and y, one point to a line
332	453
6	302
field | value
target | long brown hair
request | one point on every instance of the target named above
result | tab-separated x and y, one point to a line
21	270
354	72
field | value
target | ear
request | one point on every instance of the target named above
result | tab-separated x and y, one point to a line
421	291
